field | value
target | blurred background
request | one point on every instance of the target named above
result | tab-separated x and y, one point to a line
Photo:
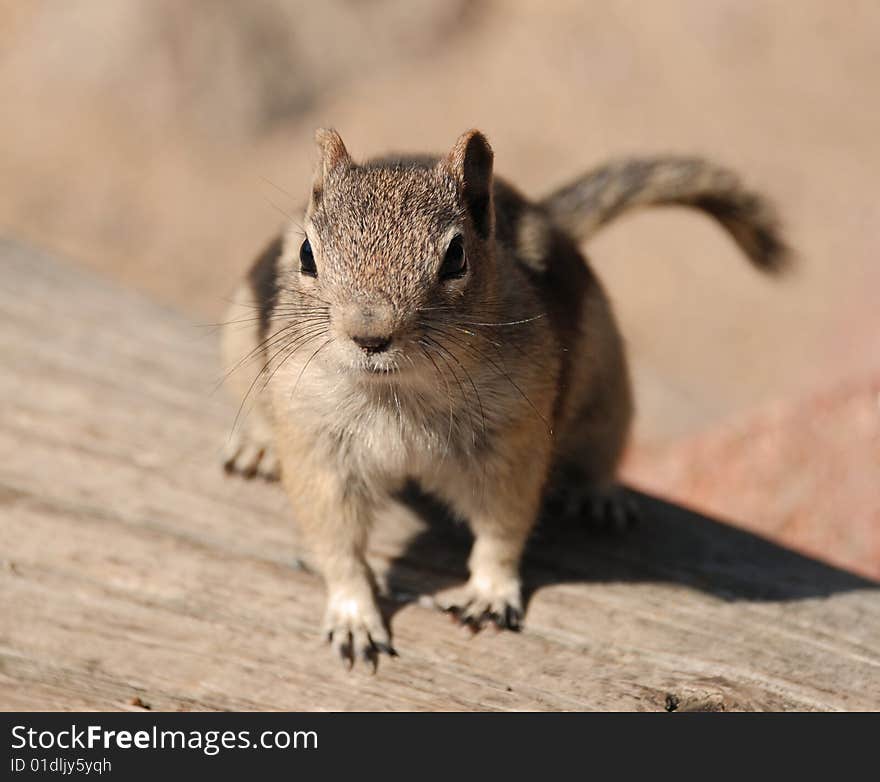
162	142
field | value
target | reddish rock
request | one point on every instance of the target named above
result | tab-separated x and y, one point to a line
805	474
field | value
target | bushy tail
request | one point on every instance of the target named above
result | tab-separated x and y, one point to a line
602	194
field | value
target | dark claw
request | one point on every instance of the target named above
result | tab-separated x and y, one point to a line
371	656
472	622
346	652
457	614
387	649
512	618
625	516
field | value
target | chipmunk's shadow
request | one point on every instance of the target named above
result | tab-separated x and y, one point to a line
671	544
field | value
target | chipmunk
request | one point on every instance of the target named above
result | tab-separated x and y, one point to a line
428	322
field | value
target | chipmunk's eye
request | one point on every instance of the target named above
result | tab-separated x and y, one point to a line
307	259
455	261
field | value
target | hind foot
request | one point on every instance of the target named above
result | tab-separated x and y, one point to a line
606	510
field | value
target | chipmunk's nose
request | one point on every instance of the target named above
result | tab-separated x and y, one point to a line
369	324
372	344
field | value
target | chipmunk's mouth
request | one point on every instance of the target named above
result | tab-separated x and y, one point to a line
378	368
374	368
382	370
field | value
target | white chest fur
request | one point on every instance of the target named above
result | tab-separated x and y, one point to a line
387	431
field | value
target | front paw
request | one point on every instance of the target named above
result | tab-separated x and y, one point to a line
483	601
354	628
251	456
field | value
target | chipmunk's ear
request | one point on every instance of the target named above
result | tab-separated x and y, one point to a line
332	154
470	162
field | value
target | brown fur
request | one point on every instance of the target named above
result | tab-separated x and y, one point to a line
494	382
594	199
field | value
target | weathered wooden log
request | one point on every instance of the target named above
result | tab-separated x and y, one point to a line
134	572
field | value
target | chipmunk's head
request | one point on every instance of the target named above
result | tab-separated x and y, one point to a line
396	251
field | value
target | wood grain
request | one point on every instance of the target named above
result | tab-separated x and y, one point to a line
132	567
